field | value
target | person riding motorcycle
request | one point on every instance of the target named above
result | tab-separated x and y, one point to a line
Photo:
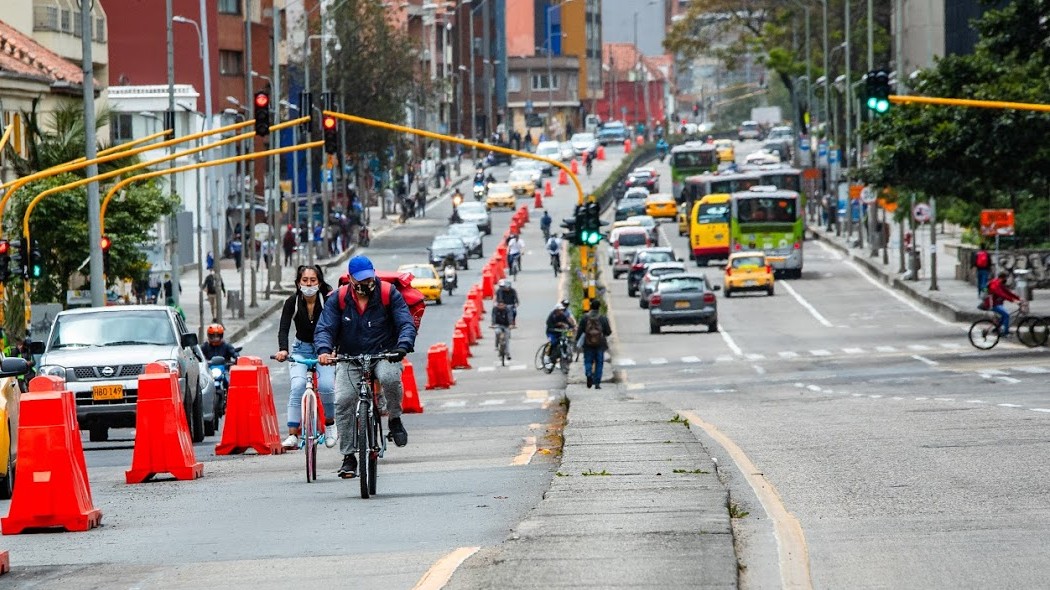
661	148
216	346
448	272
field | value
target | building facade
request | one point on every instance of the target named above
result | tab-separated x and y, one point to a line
543	96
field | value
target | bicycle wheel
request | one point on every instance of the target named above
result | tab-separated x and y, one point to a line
309	433
364	448
565	357
373	453
539	357
502	346
1025	334
1041	331
984	334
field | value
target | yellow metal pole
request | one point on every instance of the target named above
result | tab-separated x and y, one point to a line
966	102
466	142
130	144
6	136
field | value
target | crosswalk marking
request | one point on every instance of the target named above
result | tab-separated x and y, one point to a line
755	357
918	347
1033	370
624	362
493	402
1008	405
788	354
885	349
820	352
658	361
518	367
486	369
724	359
690	359
454	404
1010	379
951	345
853	350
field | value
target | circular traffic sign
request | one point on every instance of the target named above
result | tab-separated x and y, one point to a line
921	212
867	195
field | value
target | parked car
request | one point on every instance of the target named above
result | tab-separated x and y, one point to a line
471	236
500	195
647	178
10	395
566	152
426	279
748	271
445	245
683	299
478	214
623	243
101	351
661	206
647	285
612	132
584	142
749	130
640	263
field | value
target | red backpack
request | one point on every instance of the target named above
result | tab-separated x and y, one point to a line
981	260
402	281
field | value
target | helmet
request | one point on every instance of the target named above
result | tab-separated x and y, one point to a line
504	283
564	303
216	330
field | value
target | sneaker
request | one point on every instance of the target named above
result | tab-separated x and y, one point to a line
398	432
349	468
597	385
292	442
590	382
329	436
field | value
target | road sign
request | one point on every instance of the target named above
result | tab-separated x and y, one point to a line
921	212
867	195
833	156
997	222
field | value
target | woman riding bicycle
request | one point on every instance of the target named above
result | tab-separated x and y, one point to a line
304	310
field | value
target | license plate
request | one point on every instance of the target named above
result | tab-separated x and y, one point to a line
107	392
750	283
681	304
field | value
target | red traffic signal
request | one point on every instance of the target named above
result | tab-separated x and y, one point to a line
262	100
105	242
328	123
5	247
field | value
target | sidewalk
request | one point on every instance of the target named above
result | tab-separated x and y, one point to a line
954	299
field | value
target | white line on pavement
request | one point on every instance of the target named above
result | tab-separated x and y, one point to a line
1009	405
264	327
658	361
758	369
518	367
454	404
929	362
788	354
493	402
820	352
1044	410
918	347
1010	380
755	356
812	310
885	349
853	350
624	362
690	359
486	369
730	343
1033	370
975	401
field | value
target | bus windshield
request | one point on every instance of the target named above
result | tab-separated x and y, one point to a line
694	159
713	213
787	181
767	209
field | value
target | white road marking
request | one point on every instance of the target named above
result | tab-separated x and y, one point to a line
730	343
944	399
857	395
1044	410
1010	380
893	293
624	362
984	372
690	359
724	359
1032	370
788	354
921	399
929	362
454	404
486	369
898	398
1009	405
528	450
813	387
755	357
493	402
518	367
919	347
853	350
635	386
658	361
799	385
950	345
885	348
758	369
820	352
874	396
805	304
975	401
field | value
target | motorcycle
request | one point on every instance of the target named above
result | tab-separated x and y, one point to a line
479	191
220	374
449	279
661	150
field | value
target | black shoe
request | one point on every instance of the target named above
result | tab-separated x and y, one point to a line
597	385
349	468
590	382
398	432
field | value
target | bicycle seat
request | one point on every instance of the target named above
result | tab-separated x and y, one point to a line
310	363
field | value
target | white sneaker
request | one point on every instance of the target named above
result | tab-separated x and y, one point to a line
330	436
292	442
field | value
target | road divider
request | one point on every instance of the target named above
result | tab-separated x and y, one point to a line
52	488
410	401
460	350
162	435
251	418
439	368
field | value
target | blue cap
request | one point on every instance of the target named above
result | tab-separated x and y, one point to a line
361	268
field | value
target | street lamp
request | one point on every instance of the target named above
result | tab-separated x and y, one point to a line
489	81
473	93
242	178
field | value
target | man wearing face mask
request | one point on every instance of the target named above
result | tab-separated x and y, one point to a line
361	324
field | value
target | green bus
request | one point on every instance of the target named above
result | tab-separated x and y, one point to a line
689	159
771	220
698	187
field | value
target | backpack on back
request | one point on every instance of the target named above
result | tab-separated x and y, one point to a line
592	333
981	260
402	281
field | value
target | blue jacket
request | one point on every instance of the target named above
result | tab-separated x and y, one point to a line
376	330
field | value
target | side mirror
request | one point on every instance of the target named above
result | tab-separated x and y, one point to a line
189	339
36	346
13	367
716	287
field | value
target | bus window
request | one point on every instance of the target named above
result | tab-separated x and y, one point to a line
786	182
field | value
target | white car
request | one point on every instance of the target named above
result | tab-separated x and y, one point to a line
567	153
536	167
762	157
635	192
584	142
471	236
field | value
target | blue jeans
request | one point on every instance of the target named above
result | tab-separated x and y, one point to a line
593	361
1004	318
298	374
982	280
553	337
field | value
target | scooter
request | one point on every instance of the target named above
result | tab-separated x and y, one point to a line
449	280
479	191
220	374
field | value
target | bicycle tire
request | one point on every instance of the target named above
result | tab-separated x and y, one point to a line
984	334
1041	331
373	455
539	357
502	345
364	449
1025	335
309	434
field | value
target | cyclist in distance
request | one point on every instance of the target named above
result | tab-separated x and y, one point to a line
508	295
999	293
554	249
216	346
361	324
501	320
515	248
558	320
303	309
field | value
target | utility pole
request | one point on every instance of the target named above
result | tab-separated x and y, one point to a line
214	200
98	285
273	199
248	226
173	223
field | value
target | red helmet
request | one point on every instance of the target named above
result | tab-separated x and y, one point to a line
216	330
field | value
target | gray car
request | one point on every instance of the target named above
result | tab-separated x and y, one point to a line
471	236
652	275
683	300
101	351
446	245
477	214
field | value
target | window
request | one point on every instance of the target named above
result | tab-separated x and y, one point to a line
77	24
45	18
229	6
120	127
100	30
514	83
230	63
541	82
66	21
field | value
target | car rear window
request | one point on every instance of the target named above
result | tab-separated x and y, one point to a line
636	238
646	257
681	284
749	261
657	272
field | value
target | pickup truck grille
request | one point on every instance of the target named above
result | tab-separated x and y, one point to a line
118	371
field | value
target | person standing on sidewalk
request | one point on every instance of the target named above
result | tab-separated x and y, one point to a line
593	333
982	261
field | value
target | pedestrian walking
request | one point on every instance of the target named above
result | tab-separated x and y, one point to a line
288	243
236	250
421	202
211	286
982	261
528	140
592	334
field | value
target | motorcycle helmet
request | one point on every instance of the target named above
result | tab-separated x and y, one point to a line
216	331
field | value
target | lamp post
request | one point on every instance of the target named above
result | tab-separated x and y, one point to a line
243	184
473	92
488	90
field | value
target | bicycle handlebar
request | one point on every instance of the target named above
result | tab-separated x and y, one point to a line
366	358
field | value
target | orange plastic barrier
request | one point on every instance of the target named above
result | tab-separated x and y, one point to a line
538	196
627	146
574	166
524	211
52	488
639	140
601	152
439	371
410	402
461	326
475	294
251	418
460	350
548	190
563	178
473	318
162	436
486	284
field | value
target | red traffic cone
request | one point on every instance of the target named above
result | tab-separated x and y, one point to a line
601	152
627	146
548	191
563	178
410	402
439	373
460	350
574	166
539	199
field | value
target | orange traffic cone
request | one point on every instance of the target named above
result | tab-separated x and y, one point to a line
601	152
461	326
486	284
460	350
53	490
523	211
563	178
162	436
639	140
251	419
548	191
539	200
574	166
627	146
5	562
439	373
410	403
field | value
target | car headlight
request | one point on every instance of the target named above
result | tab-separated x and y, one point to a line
54	371
216	372
172	364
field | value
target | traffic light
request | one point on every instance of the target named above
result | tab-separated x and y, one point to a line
262	113
580	225
592	224
569	223
21	250
331	134
878	91
36	264
105	242
5	261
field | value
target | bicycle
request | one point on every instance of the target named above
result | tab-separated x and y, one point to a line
514	264
312	424
502	343
566	352
985	333
367	435
556	262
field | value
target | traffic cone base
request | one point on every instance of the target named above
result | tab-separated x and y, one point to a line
251	418
162	437
538	197
5	562
410	402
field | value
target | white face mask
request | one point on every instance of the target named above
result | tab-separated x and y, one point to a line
309	291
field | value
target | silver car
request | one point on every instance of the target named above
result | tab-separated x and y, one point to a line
471	236
101	351
652	275
477	214
683	299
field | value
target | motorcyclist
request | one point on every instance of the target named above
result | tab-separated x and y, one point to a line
454	218
545	224
448	272
661	148
216	346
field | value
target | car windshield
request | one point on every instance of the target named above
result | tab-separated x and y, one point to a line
634	238
469	231
520	175
681	284
640	194
499	187
641	174
658	256
420	272
749	126
767	209
582	138
713	213
613	127
659	199
547	150
447	243
112	329
749	261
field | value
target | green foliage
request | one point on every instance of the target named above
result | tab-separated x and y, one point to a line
60	139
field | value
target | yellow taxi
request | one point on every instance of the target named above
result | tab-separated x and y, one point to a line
683	220
725	150
522	183
748	271
661	206
500	195
426	279
9	398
